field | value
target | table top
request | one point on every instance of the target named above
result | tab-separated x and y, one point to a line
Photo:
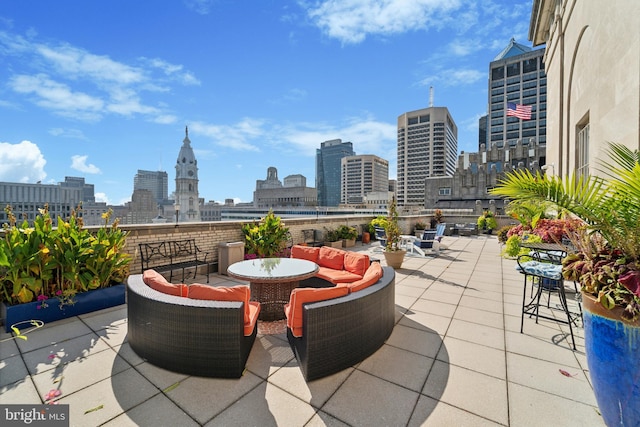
542	246
272	269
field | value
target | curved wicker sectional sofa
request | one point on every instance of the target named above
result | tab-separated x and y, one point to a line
195	337
340	332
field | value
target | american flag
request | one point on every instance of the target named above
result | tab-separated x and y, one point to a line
520	111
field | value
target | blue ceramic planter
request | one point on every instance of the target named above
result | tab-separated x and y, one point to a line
85	302
613	356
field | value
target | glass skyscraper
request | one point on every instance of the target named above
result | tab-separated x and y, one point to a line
328	170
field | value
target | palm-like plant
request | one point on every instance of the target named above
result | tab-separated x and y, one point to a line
607	261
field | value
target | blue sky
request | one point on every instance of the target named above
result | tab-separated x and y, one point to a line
100	89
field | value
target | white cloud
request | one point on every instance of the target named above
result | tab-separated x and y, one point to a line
58	97
351	21
235	136
21	162
102	197
79	163
453	77
68	133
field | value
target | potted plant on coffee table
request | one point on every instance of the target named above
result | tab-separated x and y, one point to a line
606	262
393	253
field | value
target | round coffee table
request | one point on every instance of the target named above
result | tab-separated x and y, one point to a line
272	280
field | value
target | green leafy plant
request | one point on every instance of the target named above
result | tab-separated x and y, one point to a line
331	235
606	260
346	232
265	238
392	230
420	226
503	232
487	221
44	263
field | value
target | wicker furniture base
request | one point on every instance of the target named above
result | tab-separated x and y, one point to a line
194	337
272	298
341	332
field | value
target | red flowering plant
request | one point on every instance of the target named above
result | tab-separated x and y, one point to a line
606	259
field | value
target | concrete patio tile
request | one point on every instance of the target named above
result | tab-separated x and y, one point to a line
398	366
529	407
461	388
108	398
475	357
268	354
494	306
204	398
114	335
444	297
128	354
61	330
547	377
58	354
322	419
161	378
266	405
410	291
482	293
430	412
157	411
317	392
430	306
403	302
12	369
539	348
510	309
105	318
80	373
426	321
481	317
21	391
416	282
365	400
415	340
479	334
8	346
448	288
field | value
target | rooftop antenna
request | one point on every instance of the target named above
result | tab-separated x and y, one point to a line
430	96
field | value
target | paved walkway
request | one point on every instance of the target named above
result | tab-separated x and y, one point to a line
456	357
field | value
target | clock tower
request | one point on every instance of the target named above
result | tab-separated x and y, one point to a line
187	182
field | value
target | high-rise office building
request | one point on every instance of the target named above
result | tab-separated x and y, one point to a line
517	78
155	181
427	147
361	175
328	170
187	199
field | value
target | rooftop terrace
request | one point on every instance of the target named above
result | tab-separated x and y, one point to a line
456	357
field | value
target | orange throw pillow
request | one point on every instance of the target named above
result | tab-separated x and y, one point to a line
356	263
234	293
372	275
156	281
254	311
331	258
305	252
300	296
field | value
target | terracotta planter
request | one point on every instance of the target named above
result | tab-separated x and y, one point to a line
613	356
394	258
85	302
366	237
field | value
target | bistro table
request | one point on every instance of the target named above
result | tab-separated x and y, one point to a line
272	280
552	252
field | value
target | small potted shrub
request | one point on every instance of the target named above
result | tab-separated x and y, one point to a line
266	238
419	228
487	222
393	253
348	235
332	238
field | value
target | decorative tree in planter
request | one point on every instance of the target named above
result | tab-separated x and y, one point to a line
393	253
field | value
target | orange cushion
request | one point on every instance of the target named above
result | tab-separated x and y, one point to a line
300	296
254	311
356	263
221	293
156	281
372	275
331	258
305	252
337	276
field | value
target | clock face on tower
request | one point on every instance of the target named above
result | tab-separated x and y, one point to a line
190	173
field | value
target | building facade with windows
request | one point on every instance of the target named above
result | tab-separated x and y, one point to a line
328	170
271	193
155	181
592	60
361	175
186	194
427	147
517	76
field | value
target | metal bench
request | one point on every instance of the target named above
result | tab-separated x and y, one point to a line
173	255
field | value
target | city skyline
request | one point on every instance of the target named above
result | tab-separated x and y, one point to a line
92	90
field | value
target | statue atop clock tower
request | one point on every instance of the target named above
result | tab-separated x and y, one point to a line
186	194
